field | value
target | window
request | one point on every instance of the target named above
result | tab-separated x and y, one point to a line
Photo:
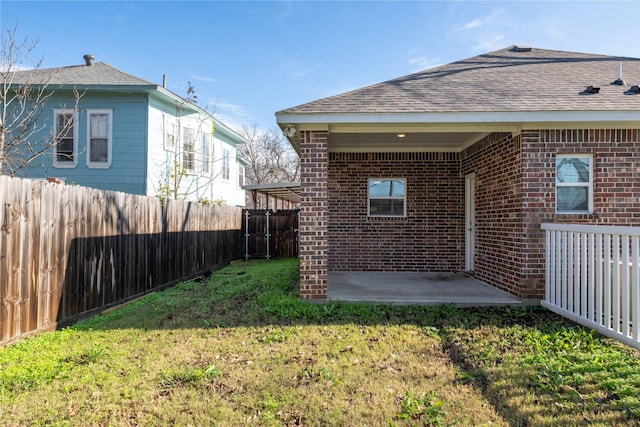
574	183
206	156
65	135
240	175
188	141
99	138
170	137
225	164
387	197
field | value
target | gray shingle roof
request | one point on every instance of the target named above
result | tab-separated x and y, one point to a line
504	80
98	74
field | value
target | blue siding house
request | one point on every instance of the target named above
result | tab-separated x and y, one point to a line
134	136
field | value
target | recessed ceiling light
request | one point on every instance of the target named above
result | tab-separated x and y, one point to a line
401	135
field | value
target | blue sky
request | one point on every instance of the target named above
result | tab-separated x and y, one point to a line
249	59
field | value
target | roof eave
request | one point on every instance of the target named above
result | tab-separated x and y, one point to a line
302	120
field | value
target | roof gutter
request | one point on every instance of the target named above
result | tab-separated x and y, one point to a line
498	117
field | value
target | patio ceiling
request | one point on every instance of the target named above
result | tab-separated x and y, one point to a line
403	142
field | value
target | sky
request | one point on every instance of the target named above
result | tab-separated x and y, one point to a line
249	59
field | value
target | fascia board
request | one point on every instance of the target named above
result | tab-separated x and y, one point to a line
457	118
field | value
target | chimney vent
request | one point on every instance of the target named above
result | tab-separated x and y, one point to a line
619	81
88	59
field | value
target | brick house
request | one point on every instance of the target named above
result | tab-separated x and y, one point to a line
455	168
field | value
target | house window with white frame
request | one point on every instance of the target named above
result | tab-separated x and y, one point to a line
65	150
387	197
574	183
206	156
170	137
99	138
225	164
240	174
188	148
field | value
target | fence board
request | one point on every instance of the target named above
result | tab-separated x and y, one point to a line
66	251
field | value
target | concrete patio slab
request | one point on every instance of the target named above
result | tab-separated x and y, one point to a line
415	288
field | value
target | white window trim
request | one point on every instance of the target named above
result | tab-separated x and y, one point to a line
107	164
226	164
404	198
169	124
74	163
589	184
207	139
241	170
192	152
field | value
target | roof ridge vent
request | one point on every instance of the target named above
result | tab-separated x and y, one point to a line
521	48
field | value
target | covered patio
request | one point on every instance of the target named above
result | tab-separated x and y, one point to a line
404	288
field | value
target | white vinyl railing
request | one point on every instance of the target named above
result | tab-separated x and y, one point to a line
593	277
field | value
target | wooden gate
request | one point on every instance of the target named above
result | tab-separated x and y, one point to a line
269	234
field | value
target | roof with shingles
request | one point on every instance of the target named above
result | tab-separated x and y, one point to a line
98	74
505	80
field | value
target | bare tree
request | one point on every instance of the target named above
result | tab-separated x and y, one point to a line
24	92
269	157
182	174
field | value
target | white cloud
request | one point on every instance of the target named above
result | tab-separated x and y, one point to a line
229	108
481	22
203	79
419	63
494	43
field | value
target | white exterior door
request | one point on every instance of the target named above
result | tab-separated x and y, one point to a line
470	221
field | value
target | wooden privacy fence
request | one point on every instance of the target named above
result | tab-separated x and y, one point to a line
68	251
269	234
593	277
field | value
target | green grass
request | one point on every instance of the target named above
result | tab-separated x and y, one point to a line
240	348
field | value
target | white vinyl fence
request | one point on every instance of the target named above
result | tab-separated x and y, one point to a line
593	277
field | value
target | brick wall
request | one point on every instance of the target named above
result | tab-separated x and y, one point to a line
429	238
515	193
616	187
496	162
313	215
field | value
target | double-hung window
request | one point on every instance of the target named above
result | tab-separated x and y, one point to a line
188	148
206	153
387	197
225	164
99	138
170	136
240	174
65	131
574	183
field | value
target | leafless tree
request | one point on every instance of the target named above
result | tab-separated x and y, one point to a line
269	157
24	92
181	175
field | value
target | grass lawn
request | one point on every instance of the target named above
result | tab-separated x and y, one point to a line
239	348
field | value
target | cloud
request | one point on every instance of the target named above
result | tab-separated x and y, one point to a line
419	63
202	78
495	43
230	108
481	22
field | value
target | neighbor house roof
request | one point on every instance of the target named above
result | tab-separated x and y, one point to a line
98	74
512	79
102	76
283	190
